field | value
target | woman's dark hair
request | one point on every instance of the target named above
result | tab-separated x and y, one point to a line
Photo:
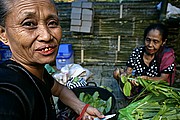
160	27
4	9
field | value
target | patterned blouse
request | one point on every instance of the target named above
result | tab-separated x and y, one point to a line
140	68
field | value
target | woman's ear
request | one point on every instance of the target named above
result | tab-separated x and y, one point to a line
164	42
3	36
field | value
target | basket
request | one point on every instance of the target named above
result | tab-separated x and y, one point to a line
104	94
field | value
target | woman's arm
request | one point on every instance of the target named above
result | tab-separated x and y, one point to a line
70	99
162	77
67	97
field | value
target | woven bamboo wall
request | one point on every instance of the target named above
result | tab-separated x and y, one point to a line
118	28
116	33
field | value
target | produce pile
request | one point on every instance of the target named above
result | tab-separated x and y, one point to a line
159	101
95	101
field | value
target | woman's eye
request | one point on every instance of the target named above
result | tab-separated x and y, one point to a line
29	24
53	24
155	41
147	39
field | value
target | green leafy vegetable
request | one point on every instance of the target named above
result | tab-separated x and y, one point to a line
160	102
95	101
127	88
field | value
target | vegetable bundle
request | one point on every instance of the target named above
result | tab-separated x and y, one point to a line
161	102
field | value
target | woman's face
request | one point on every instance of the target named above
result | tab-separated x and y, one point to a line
33	31
153	42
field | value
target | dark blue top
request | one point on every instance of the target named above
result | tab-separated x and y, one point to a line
23	96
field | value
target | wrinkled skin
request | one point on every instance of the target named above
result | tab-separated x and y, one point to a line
153	42
33	33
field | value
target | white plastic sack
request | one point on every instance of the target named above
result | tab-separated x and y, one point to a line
171	10
71	71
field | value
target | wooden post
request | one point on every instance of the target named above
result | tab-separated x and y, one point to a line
163	10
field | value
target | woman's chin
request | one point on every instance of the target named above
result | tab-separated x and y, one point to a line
46	61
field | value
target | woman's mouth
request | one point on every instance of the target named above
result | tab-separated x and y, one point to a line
46	50
150	51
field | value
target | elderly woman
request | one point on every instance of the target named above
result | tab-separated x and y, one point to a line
32	30
154	60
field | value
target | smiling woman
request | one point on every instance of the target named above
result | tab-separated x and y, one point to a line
32	30
36	29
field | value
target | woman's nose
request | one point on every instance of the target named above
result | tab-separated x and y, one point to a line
150	43
44	34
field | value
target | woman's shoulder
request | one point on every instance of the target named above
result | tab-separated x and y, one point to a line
15	87
168	52
168	49
7	72
16	97
138	50
13	77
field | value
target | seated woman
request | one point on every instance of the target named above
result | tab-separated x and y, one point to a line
153	60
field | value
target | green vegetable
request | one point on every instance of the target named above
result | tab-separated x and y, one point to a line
76	79
81	96
94	100
160	102
127	88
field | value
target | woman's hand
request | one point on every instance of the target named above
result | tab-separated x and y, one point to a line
91	113
117	73
133	82
71	100
145	77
